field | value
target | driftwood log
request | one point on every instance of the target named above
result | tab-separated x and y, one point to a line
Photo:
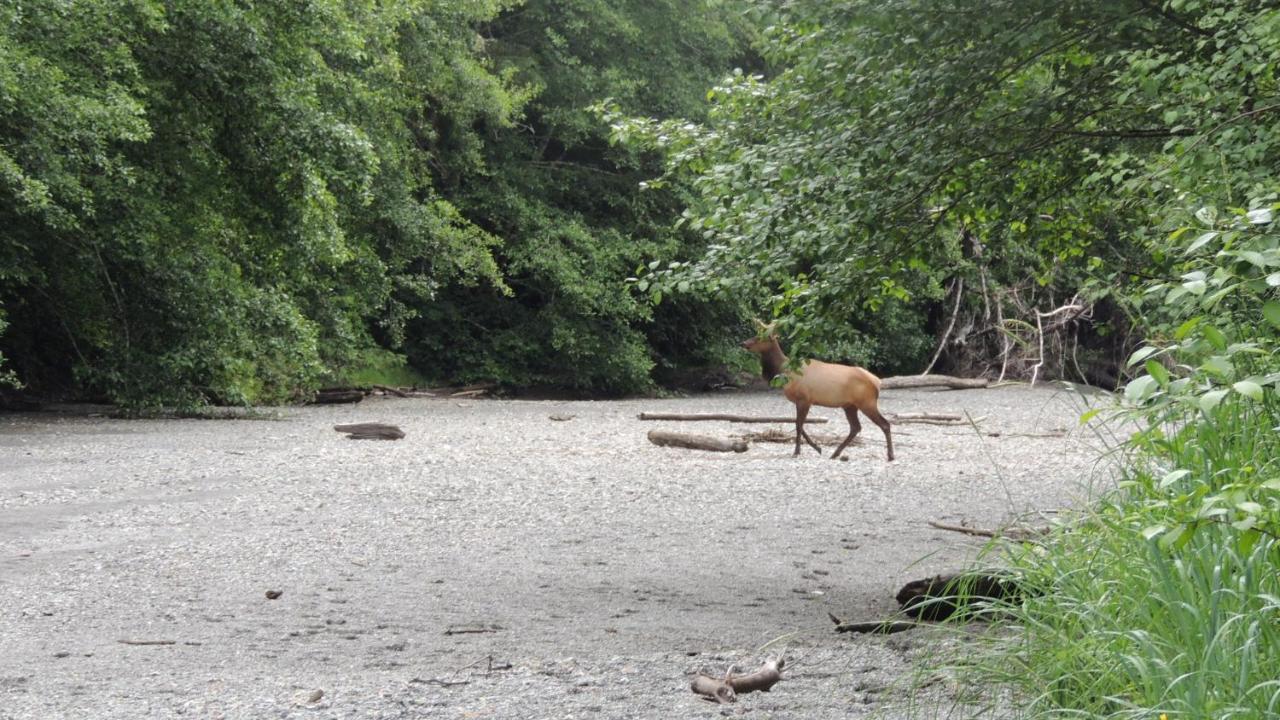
916	381
693	417
696	442
370	431
726	689
335	395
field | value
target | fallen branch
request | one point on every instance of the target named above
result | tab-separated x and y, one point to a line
1013	533
916	381
1050	434
474	390
726	690
388	389
878	627
911	417
724	417
472	630
147	642
696	442
929	419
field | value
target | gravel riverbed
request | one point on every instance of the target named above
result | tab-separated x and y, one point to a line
496	563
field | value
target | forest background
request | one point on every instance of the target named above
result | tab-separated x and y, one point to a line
241	202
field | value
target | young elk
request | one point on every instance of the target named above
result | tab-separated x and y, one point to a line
824	384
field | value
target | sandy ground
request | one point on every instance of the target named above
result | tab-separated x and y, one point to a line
495	563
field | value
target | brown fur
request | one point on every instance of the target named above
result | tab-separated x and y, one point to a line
825	384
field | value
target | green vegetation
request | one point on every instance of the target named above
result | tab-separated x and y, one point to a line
218	202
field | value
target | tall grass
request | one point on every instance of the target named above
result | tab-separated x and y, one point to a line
1163	600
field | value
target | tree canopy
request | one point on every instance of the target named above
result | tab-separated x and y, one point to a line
1035	151
234	203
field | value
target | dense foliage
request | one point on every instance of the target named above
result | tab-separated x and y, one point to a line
1012	153
567	205
236	202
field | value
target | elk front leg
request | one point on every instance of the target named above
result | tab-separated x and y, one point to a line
878	419
802	411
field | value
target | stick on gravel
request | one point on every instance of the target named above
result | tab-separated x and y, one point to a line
724	417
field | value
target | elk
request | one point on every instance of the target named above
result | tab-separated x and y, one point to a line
823	384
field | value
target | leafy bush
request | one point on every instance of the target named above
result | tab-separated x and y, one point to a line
1158	601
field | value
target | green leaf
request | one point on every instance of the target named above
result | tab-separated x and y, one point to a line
1247	540
1211	399
1141	354
1271	311
1153	531
1249	389
1186	327
1219	366
1249	507
1086	417
1139	389
1215	337
1173	477
1200	242
1157	371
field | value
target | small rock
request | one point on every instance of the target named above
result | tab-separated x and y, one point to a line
315	696
273	594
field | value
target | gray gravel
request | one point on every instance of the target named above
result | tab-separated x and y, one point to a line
494	564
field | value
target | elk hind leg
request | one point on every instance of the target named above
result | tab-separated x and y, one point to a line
854	428
874	415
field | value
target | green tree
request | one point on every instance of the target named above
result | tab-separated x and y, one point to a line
567	206
210	201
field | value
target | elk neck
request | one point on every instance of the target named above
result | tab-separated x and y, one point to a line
772	361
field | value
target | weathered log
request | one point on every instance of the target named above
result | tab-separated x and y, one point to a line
917	381
370	431
713	689
696	442
328	397
693	417
761	680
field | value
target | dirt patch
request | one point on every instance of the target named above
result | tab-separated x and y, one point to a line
495	563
